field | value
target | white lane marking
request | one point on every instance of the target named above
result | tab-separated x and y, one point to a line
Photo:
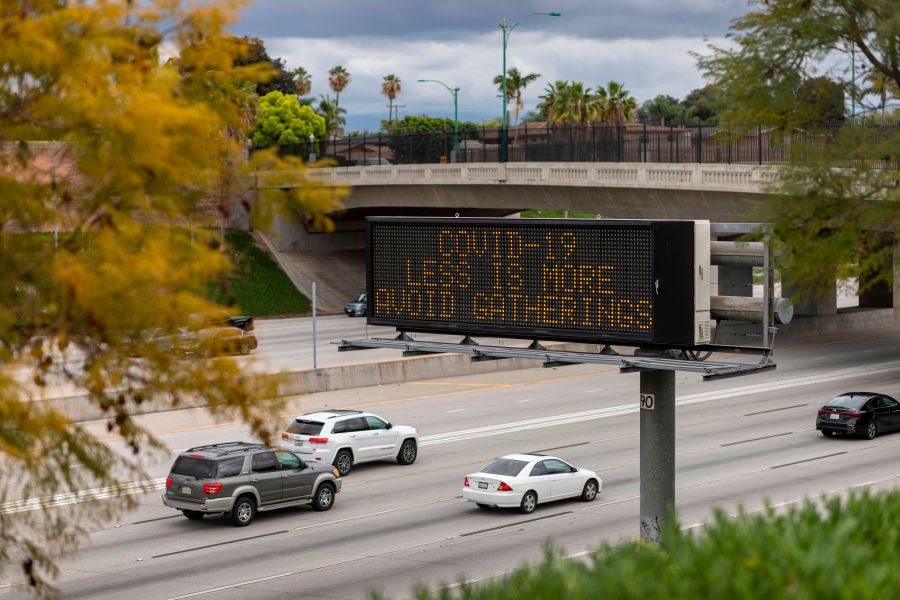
619	501
692	526
525	400
593	391
346	485
233	585
624	409
456	410
103	493
381	512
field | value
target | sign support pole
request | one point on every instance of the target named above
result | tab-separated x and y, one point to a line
657	444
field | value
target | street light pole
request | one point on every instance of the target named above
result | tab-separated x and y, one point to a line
455	93
506	30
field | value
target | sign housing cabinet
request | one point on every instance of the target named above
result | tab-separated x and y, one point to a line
601	281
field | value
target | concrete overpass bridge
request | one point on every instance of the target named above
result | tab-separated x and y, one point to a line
727	193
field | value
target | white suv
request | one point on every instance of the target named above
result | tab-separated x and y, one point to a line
347	437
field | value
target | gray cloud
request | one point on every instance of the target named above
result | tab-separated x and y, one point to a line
418	19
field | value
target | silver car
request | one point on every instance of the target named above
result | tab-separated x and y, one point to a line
239	479
357	308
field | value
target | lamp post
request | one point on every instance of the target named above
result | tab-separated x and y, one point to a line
455	93
312	148
507	29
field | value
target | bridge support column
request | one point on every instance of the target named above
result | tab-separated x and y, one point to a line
657	447
882	294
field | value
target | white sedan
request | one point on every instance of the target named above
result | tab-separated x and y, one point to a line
526	480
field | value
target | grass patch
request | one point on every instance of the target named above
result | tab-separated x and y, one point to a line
555	214
258	287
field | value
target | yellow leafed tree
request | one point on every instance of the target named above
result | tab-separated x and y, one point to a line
118	121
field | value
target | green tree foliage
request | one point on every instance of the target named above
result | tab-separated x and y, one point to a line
661	110
703	105
283	121
565	103
800	554
420	137
827	217
338	80
139	147
281	79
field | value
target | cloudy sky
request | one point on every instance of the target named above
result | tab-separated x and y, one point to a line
642	43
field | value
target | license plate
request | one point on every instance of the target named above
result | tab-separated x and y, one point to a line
834	416
482	485
186	490
298	442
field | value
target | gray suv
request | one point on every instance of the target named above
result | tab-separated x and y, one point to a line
239	479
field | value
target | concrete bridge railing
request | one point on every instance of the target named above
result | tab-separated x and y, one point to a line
686	176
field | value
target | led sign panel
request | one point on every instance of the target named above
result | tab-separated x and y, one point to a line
631	282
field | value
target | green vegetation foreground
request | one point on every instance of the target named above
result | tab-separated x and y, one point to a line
846	550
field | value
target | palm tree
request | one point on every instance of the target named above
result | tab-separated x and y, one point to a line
338	79
616	104
390	87
567	103
302	81
334	120
515	83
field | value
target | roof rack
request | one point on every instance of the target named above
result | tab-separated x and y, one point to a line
247	446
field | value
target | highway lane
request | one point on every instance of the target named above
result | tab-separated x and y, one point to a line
393	526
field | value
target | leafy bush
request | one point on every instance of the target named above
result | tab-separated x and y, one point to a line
282	120
848	550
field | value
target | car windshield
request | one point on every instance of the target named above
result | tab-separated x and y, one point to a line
505	466
305	427
198	468
361	298
848	401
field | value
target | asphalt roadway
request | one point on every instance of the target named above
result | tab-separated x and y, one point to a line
740	442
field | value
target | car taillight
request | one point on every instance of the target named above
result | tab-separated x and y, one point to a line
503	487
284	436
168	482
852	414
211	488
824	412
318	440
466	482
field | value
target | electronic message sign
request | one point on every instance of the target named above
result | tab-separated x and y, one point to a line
615	281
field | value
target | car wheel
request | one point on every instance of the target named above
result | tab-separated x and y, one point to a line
529	503
826	433
193	515
408	453
483	506
243	512
343	462
589	493
324	498
871	430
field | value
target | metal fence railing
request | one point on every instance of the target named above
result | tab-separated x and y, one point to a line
540	142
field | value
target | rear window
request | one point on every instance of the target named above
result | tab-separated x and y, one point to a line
505	466
302	427
849	401
198	468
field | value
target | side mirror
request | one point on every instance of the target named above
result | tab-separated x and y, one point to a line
574	469
390	426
